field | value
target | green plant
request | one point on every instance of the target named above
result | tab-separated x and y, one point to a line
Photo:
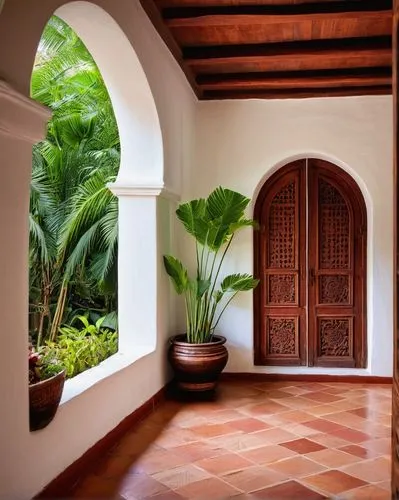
42	366
73	215
213	223
79	349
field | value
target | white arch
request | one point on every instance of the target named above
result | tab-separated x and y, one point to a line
129	91
139	181
319	156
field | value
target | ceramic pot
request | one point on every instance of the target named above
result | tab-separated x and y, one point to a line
44	399
197	366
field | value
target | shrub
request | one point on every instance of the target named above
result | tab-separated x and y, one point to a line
78	349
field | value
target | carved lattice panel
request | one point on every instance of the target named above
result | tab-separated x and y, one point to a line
281	244
335	337
334	289
334	231
282	336
281	289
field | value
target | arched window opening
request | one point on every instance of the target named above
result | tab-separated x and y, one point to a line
73	219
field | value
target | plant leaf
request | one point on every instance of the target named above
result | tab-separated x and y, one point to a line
238	283
192	215
177	273
203	286
224	208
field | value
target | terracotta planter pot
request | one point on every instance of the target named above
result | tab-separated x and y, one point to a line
197	366
44	399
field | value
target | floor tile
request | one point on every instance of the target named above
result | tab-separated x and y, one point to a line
196	451
277	440
275	436
156	461
288	491
333	482
238	442
268	454
168	495
296	467
303	446
140	486
382	446
333	458
370	492
373	471
249	425
295	416
322	397
359	451
224	463
180	476
329	440
351	435
253	478
324	426
269	408
212	430
207	489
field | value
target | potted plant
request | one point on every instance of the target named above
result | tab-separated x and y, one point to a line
46	382
199	356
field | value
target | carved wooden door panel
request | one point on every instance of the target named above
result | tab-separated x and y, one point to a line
395	391
310	257
337	228
280	313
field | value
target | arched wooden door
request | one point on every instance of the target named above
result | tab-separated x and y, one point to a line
310	257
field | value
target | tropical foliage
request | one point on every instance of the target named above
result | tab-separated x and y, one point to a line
213	223
73	215
81	347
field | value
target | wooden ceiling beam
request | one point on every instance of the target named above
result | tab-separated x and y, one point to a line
300	82
292	49
296	94
242	20
217	16
162	4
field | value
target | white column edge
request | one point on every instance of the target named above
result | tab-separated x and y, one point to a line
22	117
136	190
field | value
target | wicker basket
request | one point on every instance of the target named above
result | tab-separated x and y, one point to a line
44	398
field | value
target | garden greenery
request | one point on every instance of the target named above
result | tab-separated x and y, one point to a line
73	218
80	348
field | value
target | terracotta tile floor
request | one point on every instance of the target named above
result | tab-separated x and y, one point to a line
281	440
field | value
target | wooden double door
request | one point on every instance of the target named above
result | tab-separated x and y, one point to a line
310	257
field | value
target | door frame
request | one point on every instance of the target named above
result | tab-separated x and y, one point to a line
357	203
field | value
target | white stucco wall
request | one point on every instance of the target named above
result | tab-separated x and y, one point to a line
29	461
240	143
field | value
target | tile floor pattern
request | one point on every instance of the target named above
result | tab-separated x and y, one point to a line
281	440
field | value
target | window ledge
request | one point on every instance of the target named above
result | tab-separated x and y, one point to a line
82	382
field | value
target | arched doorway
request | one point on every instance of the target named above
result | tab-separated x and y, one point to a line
310	257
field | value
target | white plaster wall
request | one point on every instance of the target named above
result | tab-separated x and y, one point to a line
240	143
31	460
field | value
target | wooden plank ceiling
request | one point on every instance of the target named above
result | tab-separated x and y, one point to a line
235	49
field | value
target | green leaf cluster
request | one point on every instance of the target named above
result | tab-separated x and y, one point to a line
73	220
212	222
80	348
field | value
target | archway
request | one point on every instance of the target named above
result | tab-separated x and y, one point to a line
310	255
140	177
